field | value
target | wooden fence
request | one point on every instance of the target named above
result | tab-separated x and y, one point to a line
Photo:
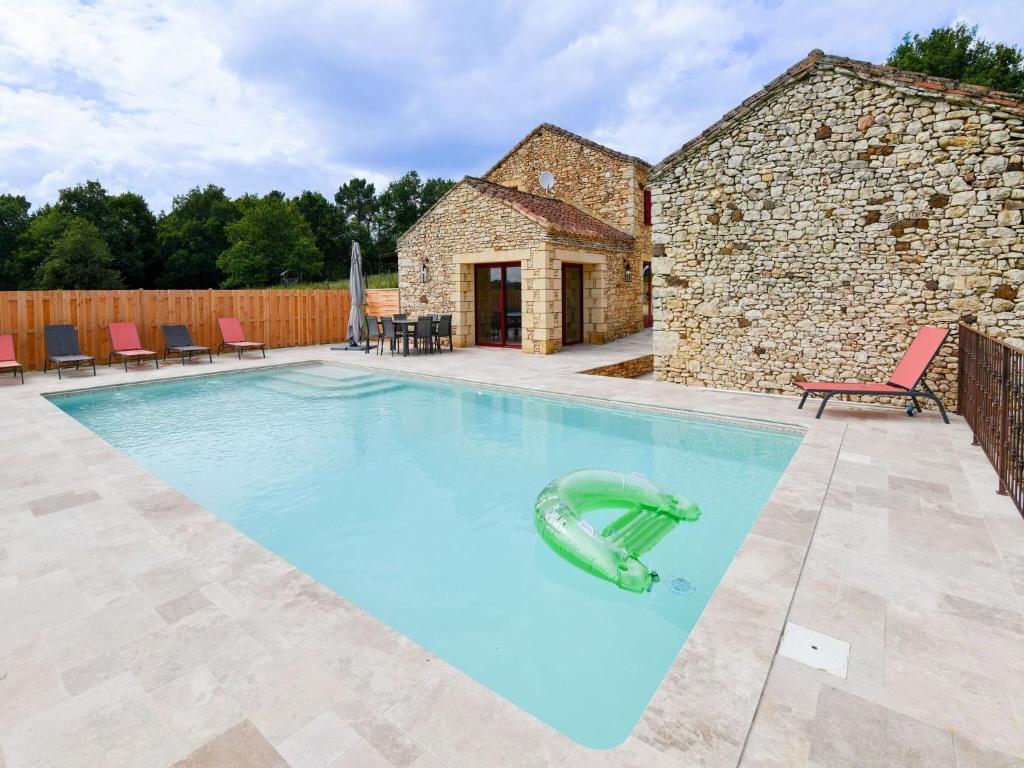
281	318
991	400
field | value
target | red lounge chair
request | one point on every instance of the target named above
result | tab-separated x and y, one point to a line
904	382
7	361
234	338
125	344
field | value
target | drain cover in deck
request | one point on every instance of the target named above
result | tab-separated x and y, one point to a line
815	649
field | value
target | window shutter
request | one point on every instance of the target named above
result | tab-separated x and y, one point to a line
647	207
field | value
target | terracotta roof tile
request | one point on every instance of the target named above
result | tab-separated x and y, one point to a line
818	60
556	215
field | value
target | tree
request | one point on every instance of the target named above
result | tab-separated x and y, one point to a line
88	201
192	236
398	208
131	238
402	203
356	200
433	190
79	259
357	203
270	237
45	227
959	54
330	231
14	220
126	224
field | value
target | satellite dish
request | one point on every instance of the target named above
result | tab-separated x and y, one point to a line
547	180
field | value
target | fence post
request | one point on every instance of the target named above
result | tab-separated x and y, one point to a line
1004	427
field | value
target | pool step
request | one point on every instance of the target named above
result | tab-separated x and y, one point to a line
341	390
321	377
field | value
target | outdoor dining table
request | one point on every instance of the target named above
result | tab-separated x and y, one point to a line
408	327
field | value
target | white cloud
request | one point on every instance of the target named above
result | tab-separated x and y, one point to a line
160	96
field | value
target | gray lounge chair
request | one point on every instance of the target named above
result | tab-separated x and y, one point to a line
179	340
62	349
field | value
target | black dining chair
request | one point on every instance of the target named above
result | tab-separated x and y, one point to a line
424	334
372	332
444	331
390	333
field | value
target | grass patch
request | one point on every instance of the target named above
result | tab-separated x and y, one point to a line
384	280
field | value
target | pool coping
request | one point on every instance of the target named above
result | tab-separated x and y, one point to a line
704	707
743	422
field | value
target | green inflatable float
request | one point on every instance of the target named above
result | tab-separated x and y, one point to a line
648	514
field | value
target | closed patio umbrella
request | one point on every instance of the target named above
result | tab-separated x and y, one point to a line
357	295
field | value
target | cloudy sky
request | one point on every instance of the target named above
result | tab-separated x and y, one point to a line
157	97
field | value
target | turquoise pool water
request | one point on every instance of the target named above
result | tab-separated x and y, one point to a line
414	500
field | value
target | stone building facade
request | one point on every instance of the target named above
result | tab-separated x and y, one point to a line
814	228
591	219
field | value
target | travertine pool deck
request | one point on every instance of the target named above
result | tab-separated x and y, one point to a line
136	629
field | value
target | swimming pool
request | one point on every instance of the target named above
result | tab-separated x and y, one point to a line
414	500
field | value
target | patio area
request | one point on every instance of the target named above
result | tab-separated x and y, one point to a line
138	629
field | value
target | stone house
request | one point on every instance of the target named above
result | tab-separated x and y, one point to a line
814	228
547	249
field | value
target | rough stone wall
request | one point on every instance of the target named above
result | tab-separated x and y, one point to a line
466	221
606	187
814	235
600	184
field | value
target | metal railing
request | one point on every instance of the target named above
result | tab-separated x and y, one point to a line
990	397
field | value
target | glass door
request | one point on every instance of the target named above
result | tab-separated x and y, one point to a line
498	300
572	303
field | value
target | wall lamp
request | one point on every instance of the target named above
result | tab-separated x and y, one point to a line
627	271
423	272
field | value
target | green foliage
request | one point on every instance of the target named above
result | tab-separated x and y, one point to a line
330	230
269	238
46	226
79	259
401	205
433	190
197	245
357	201
13	224
959	54
126	224
192	236
381	280
88	201
131	238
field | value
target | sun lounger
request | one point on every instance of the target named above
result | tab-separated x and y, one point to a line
7	361
62	349
125	345
906	381
234	338
179	340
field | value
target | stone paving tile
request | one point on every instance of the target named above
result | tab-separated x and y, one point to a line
144	580
850	732
282	695
320	743
58	502
99	669
362	755
461	723
112	724
180	607
241	745
969	754
399	750
29	683
196	707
